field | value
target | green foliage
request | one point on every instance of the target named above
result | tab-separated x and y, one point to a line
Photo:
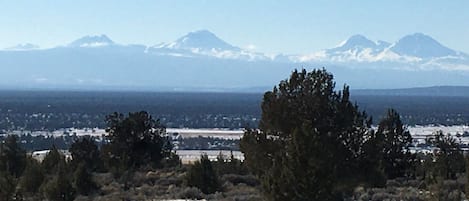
235	179
59	187
229	165
448	159
172	160
83	181
52	160
7	186
310	142
258	148
203	176
447	190
32	177
467	177
392	140
84	151
135	140
12	156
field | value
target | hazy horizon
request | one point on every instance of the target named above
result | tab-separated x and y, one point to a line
231	46
272	27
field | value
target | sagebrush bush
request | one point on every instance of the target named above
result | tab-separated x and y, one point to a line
191	193
235	179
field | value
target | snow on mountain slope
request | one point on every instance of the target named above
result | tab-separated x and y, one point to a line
357	48
23	47
204	43
92	41
202	40
357	42
418	51
415	51
421	46
201	59
412	52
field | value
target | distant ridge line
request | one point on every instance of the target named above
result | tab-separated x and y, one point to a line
451	91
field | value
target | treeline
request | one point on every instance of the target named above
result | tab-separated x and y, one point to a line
41	142
313	143
135	152
134	141
48	110
52	110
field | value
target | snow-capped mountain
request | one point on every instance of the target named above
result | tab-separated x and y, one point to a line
204	43
359	42
202	40
416	51
357	48
421	46
202	59
92	41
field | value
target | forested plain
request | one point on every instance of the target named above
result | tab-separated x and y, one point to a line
312	141
52	110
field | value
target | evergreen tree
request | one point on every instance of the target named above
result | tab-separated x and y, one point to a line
393	141
83	181
52	160
32	177
229	165
135	140
203	176
7	186
59	187
310	141
85	151
467	177
449	159
12	156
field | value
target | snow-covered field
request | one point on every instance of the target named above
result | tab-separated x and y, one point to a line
190	156
419	134
175	132
215	133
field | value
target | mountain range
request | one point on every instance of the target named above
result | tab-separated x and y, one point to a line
202	61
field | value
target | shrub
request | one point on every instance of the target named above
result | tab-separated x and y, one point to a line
191	193
32	177
83	180
59	189
53	160
7	186
235	179
203	176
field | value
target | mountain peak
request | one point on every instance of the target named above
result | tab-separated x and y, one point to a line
421	45
201	39
358	40
92	41
201	33
355	42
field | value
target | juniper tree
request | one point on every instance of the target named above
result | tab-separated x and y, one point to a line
135	140
202	175
393	141
310	139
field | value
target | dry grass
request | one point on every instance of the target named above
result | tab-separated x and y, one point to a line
167	184
412	190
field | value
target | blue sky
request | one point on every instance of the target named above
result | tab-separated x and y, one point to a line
270	26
